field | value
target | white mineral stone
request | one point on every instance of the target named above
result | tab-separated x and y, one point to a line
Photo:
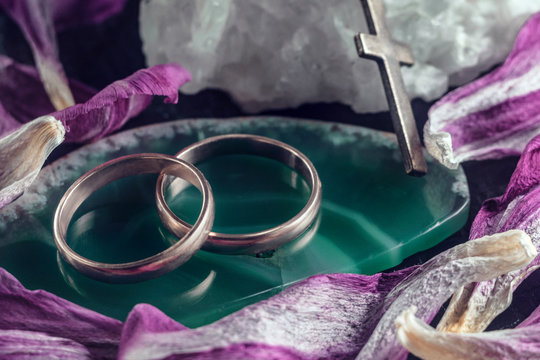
283	53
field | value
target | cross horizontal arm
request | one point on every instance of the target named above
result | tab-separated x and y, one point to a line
375	48
403	53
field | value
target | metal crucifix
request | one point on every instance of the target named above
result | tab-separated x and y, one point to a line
379	46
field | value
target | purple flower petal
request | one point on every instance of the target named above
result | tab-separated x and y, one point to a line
110	108
494	116
70	13
7	122
17	344
34	17
23	152
97	113
69	326
19	85
425	342
38	20
323	316
328	316
476	305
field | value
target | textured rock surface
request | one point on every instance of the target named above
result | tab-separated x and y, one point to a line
279	53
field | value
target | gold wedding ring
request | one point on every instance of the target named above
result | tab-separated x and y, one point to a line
250	243
152	266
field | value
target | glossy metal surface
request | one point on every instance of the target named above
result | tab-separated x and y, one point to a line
152	266
251	243
378	46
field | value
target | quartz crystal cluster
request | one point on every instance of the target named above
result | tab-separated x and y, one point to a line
282	53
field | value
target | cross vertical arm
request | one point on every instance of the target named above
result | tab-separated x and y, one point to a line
388	54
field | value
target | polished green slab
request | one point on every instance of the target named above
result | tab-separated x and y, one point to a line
372	217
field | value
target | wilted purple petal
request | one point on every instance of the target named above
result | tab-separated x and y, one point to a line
425	342
474	307
328	316
324	316
20	86
7	122
39	311
34	17
110	108
69	13
17	344
23	152
494	116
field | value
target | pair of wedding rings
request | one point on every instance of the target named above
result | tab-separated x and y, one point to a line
191	237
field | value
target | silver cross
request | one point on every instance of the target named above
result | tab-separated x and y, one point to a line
378	46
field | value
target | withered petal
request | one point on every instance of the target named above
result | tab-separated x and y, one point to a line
425	342
474	307
21	85
494	116
23	152
110	108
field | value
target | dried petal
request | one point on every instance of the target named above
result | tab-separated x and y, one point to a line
34	17
23	152
427	343
16	344
23	155
494	116
329	316
97	114
70	13
68	327
473	307
325	316
7	122
19	85
429	287
110	108
38	20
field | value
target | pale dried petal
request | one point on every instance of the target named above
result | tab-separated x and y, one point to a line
425	342
473	307
430	287
494	116
23	152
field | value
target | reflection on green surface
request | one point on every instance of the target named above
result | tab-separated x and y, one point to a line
372	216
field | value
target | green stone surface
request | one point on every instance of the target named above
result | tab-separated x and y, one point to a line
372	217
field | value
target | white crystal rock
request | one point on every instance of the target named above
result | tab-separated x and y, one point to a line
283	53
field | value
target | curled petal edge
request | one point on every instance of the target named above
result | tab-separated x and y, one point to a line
427	343
23	152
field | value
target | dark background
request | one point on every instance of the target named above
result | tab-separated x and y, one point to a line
100	54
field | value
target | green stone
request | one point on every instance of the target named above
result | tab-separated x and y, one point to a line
372	217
